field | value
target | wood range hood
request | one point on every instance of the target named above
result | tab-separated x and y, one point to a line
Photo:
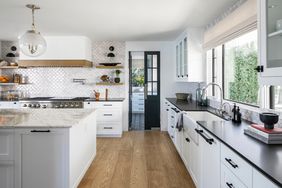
55	63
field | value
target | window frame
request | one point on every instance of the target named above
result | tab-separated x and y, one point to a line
223	81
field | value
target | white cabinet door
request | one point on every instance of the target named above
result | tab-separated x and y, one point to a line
210	160
6	175
195	168
178	141
186	150
42	158
260	181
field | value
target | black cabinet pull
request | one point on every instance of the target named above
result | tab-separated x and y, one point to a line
172	127
108	105
172	136
182	76
230	185
231	163
108	128
187	139
40	131
172	116
108	114
208	140
167	109
175	109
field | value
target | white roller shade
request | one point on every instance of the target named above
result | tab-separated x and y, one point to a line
240	21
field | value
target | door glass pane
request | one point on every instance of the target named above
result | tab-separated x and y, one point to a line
185	58
155	74
149	60
177	61
155	61
274	30
149	88
150	75
155	88
181	59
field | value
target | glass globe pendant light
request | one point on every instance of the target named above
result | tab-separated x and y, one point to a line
32	43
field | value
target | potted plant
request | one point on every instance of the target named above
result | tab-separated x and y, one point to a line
117	78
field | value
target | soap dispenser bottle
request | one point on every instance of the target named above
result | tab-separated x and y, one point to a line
234	116
239	116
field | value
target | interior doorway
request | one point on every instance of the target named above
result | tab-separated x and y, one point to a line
144	90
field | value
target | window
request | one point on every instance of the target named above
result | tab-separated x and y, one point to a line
231	65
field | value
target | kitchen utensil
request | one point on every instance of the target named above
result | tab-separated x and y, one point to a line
105	78
279	25
182	96
269	119
97	95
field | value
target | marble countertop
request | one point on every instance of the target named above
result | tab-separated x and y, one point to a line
50	118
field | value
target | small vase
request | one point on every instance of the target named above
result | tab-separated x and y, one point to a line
117	80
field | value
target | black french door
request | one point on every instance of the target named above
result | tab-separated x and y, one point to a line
152	89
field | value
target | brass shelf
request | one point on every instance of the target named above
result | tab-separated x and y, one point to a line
109	84
9	67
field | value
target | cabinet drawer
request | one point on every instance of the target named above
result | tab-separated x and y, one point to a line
108	105
229	180
6	145
237	165
108	115
110	128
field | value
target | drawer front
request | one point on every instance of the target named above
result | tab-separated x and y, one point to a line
110	128
229	180
6	145
189	126
108	105
237	165
109	115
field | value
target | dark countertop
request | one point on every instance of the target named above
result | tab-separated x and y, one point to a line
265	158
186	105
104	100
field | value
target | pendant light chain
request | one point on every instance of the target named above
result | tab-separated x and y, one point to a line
33	25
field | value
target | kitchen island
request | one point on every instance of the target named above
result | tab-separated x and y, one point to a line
46	147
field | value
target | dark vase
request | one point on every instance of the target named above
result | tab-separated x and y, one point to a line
117	80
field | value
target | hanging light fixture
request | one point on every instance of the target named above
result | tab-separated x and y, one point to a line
32	43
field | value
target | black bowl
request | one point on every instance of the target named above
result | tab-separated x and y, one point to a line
269	119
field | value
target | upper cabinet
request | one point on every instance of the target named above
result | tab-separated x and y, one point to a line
64	48
189	66
270	31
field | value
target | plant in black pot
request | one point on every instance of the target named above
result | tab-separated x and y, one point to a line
117	78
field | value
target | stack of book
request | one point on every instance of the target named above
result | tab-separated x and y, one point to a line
268	136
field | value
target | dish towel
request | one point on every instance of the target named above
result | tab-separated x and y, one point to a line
179	124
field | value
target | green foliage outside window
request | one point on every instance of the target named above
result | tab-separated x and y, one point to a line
138	77
244	87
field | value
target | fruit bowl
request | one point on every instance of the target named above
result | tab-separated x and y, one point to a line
269	119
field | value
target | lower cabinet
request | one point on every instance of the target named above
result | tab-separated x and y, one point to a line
186	150
42	158
6	174
210	160
260	181
229	180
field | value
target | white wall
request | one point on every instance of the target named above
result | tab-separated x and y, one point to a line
168	85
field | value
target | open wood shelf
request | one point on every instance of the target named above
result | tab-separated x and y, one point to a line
108	84
13	84
276	33
109	67
9	67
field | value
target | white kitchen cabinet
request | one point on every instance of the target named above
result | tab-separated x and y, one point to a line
270	39
260	181
186	150
9	105
195	168
109	117
6	175
64	48
210	160
229	180
188	56
42	158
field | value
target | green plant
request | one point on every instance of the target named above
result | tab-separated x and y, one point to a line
138	77
118	72
244	87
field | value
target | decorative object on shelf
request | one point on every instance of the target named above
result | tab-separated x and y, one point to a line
111	48
105	78
4	79
269	119
117	78
109	64
184	96
97	95
106	94
17	78
3	63
13	64
14	48
32	43
111	55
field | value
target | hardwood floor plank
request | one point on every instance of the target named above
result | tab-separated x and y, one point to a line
140	159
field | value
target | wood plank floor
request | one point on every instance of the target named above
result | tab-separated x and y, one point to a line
140	159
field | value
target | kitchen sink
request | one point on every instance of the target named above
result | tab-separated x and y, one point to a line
203	116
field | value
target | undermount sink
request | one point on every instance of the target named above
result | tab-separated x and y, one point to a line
203	116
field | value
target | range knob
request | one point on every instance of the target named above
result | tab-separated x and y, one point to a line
61	106
37	106
44	106
29	105
66	105
33	105
71	105
24	105
76	105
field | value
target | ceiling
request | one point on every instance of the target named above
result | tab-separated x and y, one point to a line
120	20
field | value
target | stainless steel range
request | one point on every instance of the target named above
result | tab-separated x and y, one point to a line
51	102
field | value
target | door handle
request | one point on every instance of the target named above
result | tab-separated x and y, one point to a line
145	91
40	131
